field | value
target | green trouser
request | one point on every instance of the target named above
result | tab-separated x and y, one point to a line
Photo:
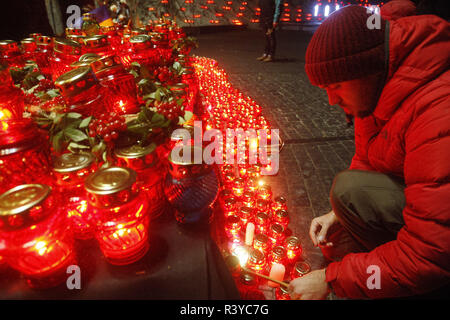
369	207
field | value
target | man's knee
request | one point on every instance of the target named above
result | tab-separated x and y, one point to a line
346	185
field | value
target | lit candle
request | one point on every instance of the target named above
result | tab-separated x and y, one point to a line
277	273
249	233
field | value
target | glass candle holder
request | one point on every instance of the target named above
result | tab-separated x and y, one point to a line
278	254
28	47
11	98
264	192
97	44
233	228
114	38
262	205
140	50
262	222
279	203
70	171
257	261
144	160
294	248
228	168
65	52
252	184
122	93
262	243
238	187
300	269
33	230
24	155
82	92
120	209
246	215
42	55
276	234
10	54
282	217
229	206
248	199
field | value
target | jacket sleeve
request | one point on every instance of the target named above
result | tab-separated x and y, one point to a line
418	261
364	129
277	14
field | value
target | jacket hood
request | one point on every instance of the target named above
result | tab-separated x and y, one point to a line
418	52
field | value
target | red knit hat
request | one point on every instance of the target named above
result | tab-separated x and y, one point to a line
344	48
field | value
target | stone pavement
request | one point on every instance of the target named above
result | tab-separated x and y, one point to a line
318	143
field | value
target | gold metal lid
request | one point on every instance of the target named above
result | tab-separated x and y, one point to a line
110	180
246	211
70	162
279	252
256	256
277	228
293	242
230	201
261	217
85	60
20	199
248	195
96	41
260	203
233	220
134	151
302	267
280	200
62	45
141	38
282	214
6	42
28	40
106	62
261	239
44	40
69	80
238	182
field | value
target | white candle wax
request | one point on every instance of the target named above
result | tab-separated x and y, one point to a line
277	273
249	233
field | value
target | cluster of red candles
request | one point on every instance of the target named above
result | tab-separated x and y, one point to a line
256	222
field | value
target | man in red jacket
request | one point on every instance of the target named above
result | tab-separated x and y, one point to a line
388	234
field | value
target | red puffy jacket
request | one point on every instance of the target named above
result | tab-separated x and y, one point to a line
408	135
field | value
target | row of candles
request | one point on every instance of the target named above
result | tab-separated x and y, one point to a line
256	222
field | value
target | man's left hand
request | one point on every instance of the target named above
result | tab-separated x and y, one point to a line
311	286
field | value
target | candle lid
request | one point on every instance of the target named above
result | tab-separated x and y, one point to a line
110	180
280	200
230	201
68	82
135	151
261	203
256	256
260	239
246	211
277	228
66	46
70	162
44	40
261	217
302	267
20	199
28	40
282	214
279	252
293	242
233	220
106	63
96	41
226	193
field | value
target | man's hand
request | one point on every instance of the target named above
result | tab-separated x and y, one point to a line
269	31
275	24
319	229
312	286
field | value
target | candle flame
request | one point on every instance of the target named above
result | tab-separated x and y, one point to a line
242	254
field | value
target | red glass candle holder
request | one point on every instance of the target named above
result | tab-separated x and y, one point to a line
24	154
70	172
248	199
42	55
294	248
228	168
144	160
300	269
114	38
282	217
98	44
65	52
120	209
238	187
28	47
279	203
33	230
264	192
233	228
122	93
10	54
229	206
246	214
276	234
262	205
140	50
278	254
257	261
82	92
262	222
11	98
262	243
